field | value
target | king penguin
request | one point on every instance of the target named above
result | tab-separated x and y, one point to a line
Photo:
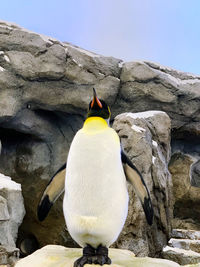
95	203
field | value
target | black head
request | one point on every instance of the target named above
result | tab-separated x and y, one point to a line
98	108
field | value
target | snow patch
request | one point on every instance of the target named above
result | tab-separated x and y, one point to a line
1	68
145	114
1	52
6	182
154	143
138	129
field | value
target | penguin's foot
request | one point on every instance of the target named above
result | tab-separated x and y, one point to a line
102	254
92	256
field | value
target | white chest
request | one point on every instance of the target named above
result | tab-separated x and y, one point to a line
94	173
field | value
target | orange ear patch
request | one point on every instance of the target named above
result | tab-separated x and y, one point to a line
97	101
92	104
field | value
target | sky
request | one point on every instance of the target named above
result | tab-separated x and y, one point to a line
161	31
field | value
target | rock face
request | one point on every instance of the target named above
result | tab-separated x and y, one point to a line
185	234
181	256
45	88
57	256
186	197
151	86
11	210
183	247
145	137
8	256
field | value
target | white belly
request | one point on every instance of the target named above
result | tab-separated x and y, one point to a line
96	199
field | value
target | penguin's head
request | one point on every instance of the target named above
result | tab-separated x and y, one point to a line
98	108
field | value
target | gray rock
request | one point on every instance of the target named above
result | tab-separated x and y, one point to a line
146	139
56	256
185	234
185	195
181	256
8	256
195	174
150	86
187	244
11	210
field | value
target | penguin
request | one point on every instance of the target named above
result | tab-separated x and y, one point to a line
96	199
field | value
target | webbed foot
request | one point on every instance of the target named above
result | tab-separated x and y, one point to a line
93	256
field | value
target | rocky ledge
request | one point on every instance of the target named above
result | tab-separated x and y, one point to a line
58	256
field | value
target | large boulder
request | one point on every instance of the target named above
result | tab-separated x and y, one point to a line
11	215
57	256
146	85
11	210
145	137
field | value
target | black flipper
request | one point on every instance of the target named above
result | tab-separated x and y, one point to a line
52	192
136	179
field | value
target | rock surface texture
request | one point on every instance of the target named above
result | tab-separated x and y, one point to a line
186	196
45	88
183	247
11	215
58	256
8	256
145	138
11	210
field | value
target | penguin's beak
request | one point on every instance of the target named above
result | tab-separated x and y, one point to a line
95	100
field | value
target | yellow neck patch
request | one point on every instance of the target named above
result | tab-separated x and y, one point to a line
94	125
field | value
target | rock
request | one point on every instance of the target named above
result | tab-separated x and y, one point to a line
195	174
184	247
58	256
186	234
8	255
187	244
186	224
185	195
181	256
11	210
146	139
151	86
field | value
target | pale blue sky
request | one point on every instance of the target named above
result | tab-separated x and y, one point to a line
163	31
